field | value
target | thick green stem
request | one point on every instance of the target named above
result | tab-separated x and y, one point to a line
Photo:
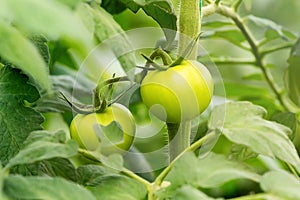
189	28
147	184
97	158
191	148
166	58
189	25
179	138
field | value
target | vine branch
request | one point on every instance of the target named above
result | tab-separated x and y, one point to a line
147	184
264	53
191	148
231	13
233	61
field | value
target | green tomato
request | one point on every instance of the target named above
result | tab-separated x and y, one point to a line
179	93
111	131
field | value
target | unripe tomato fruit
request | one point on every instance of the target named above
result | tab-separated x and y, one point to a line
179	93
88	130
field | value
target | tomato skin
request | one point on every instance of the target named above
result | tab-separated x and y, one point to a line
83	129
183	91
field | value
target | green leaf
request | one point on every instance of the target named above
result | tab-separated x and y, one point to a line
93	175
235	89
243	123
26	169
2	175
67	85
19	187
87	17
288	119
136	161
211	171
233	36
113	7
42	150
228	2
241	153
216	24
161	11
46	136
191	193
33	65
281	184
41	44
108	31
254	77
60	54
121	187
43	167
292	80
53	19
267	102
60	167
114	161
16	120
271	30
71	3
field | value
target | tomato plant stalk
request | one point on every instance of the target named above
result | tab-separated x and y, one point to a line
189	23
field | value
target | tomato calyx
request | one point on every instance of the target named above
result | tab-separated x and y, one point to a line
102	97
166	59
187	51
103	92
154	64
77	107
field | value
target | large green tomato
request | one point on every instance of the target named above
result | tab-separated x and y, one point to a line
179	93
111	131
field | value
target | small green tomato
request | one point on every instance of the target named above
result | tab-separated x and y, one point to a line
111	131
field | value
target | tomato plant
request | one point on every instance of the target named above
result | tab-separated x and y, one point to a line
168	99
179	93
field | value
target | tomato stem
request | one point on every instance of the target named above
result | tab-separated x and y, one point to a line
147	184
189	29
100	100
97	159
186	53
166	58
179	138
77	107
154	64
159	179
189	25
